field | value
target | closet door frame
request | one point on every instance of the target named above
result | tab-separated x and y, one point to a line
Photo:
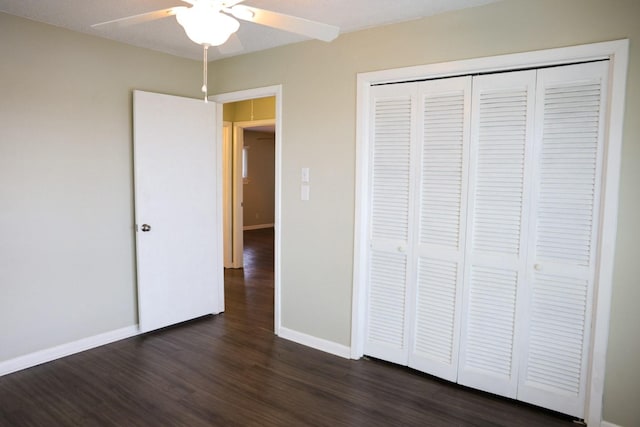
617	54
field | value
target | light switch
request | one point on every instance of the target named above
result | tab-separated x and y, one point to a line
304	192
305	175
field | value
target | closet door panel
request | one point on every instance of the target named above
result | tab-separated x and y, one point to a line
571	104
501	137
393	111
441	212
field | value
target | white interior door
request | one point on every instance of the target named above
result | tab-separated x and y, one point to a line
394	110
501	138
562	255
178	224
443	124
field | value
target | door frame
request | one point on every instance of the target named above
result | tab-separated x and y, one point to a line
227	184
243	95
617	52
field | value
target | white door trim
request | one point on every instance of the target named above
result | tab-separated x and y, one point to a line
617	52
262	92
227	180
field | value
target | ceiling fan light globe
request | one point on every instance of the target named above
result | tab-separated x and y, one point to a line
207	26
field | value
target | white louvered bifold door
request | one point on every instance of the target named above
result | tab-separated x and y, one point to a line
501	136
391	195
443	127
570	110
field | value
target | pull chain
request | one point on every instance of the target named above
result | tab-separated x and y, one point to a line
204	71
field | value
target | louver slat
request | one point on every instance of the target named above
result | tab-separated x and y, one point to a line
568	165
500	171
557	333
436	304
491	322
386	300
391	168
442	169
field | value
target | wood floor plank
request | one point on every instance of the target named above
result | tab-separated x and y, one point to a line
230	370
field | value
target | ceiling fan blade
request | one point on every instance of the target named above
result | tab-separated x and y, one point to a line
231	46
230	3
143	17
293	24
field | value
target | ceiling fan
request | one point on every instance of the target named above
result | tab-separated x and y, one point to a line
212	22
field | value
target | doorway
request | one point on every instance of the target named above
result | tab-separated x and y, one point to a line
249	175
250	119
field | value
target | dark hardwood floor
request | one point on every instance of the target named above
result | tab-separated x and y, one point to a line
230	370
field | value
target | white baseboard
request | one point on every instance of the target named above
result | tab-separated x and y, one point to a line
315	342
608	424
53	353
257	227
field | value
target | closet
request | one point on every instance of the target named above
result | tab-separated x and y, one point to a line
483	219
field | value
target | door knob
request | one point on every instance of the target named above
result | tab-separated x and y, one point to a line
145	227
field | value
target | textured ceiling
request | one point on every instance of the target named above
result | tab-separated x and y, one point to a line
167	36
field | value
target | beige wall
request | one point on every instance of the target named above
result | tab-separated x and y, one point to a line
259	189
66	213
318	125
66	187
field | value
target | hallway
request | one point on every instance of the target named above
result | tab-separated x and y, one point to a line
249	291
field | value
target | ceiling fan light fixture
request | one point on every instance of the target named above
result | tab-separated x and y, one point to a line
206	25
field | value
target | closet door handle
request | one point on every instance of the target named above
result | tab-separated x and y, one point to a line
537	267
401	249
